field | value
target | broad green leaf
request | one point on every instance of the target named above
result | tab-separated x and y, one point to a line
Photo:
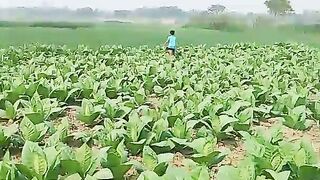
39	163
159	127
27	172
73	177
119	171
179	129
210	159
35	117
10	110
10	130
198	144
148	175
161	168
72	167
34	158
139	97
177	173
279	176
165	157
236	106
310	152
29	130
88	177
163	146
103	174
200	173
220	123
309	173
225	120
300	158
3	114
113	159
84	157
134	126
88	113
51	156
121	151
136	147
149	158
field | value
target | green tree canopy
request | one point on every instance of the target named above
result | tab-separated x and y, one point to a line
279	7
216	9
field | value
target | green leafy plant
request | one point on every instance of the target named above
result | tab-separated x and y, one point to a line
88	113
32	132
115	109
204	151
111	134
297	118
135	127
11	110
6	133
17	89
221	125
39	110
85	164
153	162
61	133
38	163
115	160
7	169
146	116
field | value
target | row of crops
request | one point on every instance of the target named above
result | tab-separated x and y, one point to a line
133	113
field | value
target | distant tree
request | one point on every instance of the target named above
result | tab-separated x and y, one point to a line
86	11
122	13
216	9
160	12
279	7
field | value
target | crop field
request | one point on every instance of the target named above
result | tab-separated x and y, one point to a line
135	35
228	112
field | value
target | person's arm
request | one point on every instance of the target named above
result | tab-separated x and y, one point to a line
167	42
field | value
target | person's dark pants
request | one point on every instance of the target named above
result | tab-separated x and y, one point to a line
171	49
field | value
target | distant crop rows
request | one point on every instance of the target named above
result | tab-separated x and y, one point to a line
67	25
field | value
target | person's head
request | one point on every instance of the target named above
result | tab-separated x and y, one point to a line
172	32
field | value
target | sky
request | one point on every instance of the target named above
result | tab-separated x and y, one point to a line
256	6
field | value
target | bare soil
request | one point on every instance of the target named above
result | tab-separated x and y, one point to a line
237	152
178	160
75	125
154	102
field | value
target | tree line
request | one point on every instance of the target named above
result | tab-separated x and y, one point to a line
275	7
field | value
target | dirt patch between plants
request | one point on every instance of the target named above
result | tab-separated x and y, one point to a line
178	160
154	102
75	125
237	151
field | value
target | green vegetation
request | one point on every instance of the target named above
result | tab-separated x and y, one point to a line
223	23
67	25
307	29
134	113
151	35
279	7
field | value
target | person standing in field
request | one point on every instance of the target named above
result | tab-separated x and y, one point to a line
171	43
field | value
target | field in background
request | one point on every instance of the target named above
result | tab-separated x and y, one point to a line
137	35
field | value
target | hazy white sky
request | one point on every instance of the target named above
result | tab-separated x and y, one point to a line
232	5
